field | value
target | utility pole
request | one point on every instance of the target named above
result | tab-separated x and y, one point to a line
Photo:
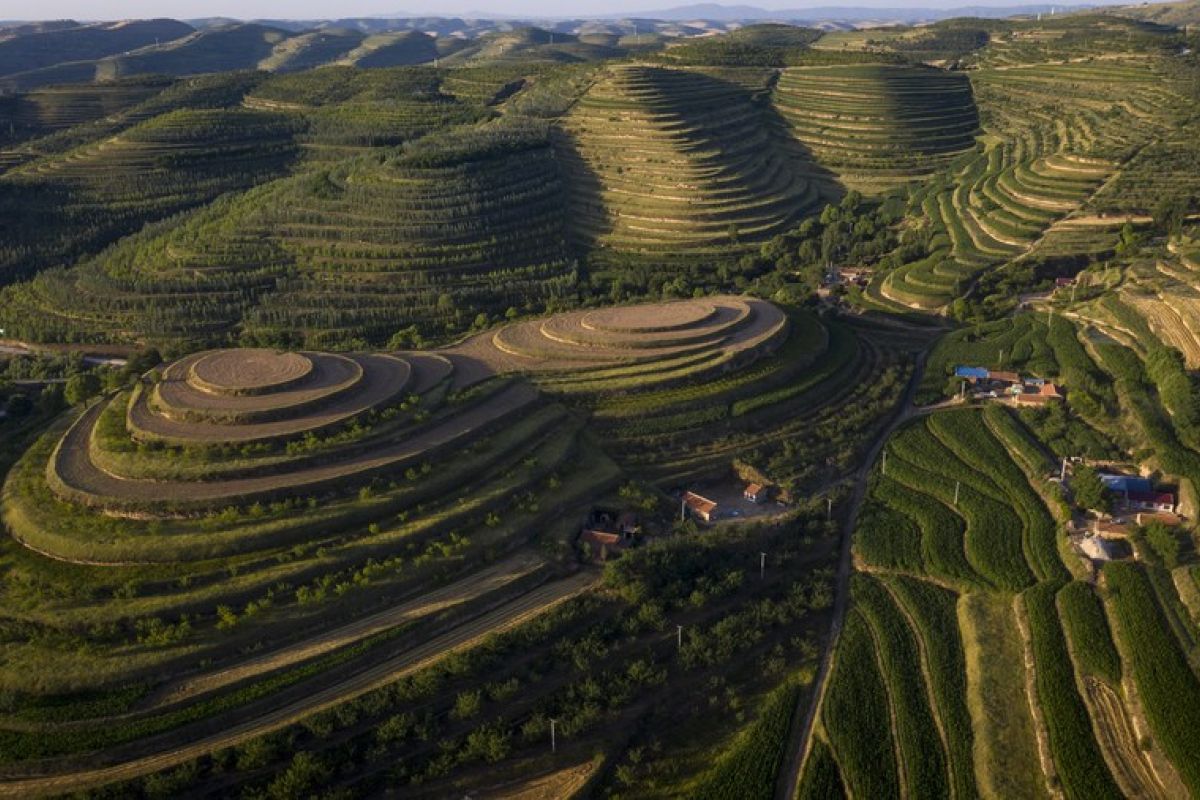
957	485
829	508
962	389
553	737
683	509
762	566
1062	473
679	637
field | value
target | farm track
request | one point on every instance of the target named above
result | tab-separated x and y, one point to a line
788	783
462	591
463	637
74	466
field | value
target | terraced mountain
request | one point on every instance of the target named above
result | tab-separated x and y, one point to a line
388	504
674	161
1054	137
353	253
69	204
56	108
879	126
479	452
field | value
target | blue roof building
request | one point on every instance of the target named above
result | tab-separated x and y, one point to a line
972	373
1124	484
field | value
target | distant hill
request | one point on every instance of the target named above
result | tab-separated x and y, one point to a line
1177	14
233	47
44	48
845	14
393	50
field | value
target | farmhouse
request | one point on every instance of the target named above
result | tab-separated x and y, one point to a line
1151	501
1031	394
1136	493
607	533
755	493
700	506
855	276
602	544
1123	484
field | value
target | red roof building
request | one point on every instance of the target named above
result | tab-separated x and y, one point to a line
1151	501
1046	393
755	493
602	544
700	506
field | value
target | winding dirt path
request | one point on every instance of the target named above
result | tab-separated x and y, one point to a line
464	637
73	463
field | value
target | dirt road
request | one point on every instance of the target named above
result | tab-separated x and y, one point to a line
462	591
72	460
788	782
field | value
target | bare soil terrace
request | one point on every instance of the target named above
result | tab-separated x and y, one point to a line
249	371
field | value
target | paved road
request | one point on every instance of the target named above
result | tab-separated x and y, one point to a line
463	637
789	782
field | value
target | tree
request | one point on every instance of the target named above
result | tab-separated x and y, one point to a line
303	777
1170	212
51	398
81	387
1090	491
1165	543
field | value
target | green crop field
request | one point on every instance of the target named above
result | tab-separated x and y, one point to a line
446	407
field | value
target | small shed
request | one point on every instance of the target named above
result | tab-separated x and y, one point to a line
700	506
755	493
602	544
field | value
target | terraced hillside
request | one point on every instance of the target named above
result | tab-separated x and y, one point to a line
67	205
349	254
1056	134
405	509
790	395
878	126
968	648
58	107
283	539
664	161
